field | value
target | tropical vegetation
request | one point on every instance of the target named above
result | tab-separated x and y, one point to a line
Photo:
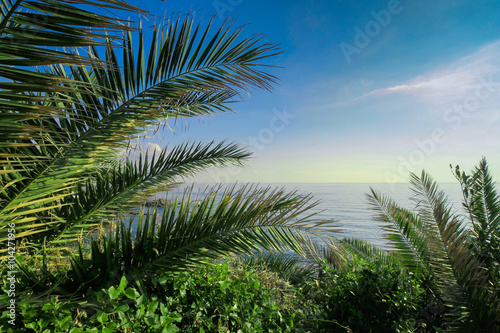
82	89
79	88
454	255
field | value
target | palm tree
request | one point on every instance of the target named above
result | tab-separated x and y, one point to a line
457	261
482	203
66	117
35	34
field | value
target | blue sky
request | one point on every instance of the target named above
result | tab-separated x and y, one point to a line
369	90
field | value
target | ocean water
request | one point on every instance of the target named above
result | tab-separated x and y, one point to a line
345	203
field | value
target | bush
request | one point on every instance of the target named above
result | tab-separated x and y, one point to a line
223	297
366	297
227	298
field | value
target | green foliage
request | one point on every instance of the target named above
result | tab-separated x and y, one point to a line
61	146
222	297
482	202
230	298
62	176
120	309
248	219
290	268
454	255
365	297
68	120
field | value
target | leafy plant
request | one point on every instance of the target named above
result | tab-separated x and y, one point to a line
78	89
441	247
227	297
218	297
61	173
115	309
482	202
247	220
290	268
62	176
365	297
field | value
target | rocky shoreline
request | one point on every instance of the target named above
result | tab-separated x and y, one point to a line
158	202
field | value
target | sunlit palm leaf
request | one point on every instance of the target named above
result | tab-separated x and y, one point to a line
329	250
290	268
35	33
119	189
107	107
460	272
482	202
233	221
365	250
405	231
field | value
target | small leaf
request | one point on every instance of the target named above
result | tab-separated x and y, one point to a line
150	320
102	317
113	293
47	306
131	293
76	330
152	306
123	284
171	328
66	323
122	308
111	325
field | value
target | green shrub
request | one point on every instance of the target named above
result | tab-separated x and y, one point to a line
223	297
370	298
228	298
116	309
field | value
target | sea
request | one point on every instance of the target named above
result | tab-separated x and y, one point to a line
344	205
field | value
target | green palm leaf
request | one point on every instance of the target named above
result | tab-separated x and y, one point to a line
289	268
440	223
120	189
112	102
482	202
437	242
405	231
35	33
188	233
461	275
365	250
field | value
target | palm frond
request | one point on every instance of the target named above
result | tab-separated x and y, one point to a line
238	221
482	202
485	200
290	268
104	106
433	208
329	250
405	231
362	249
454	263
42	32
115	192
36	32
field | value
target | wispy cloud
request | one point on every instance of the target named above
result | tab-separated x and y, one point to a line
452	81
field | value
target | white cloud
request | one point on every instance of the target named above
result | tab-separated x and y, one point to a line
454	81
135	151
151	148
